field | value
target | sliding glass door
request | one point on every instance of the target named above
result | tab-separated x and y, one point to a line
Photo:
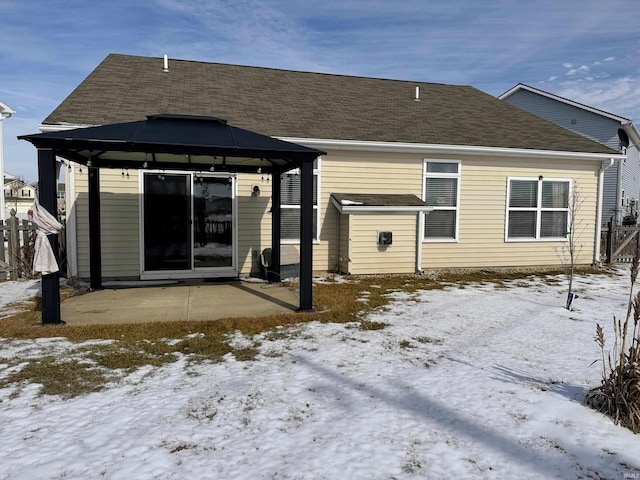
167	218
213	222
188	225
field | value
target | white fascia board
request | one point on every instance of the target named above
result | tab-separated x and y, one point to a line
399	147
6	109
511	91
356	209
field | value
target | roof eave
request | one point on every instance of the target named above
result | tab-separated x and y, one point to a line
6	109
522	86
399	147
49	127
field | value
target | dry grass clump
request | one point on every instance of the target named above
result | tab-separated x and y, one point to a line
65	377
619	393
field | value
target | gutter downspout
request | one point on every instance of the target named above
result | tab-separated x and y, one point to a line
420	222
420	229
618	209
70	208
596	251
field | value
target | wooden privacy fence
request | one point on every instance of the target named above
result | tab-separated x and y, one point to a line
619	243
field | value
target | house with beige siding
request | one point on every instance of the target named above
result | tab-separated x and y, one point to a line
416	176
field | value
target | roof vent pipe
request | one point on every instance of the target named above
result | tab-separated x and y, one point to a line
165	65
417	97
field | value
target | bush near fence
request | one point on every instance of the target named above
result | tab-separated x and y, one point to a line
17	247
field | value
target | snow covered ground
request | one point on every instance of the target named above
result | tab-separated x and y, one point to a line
476	382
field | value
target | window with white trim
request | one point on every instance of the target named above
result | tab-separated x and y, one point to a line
442	192
537	209
290	204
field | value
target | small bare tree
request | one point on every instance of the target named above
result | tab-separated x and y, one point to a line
570	251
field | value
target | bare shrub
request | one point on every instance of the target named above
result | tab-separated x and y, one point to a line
25	255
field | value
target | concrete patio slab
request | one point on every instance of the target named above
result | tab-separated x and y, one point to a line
178	303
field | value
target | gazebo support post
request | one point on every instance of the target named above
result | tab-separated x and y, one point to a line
306	237
48	198
95	245
273	275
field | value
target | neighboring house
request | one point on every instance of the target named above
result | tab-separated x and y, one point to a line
621	191
417	175
18	196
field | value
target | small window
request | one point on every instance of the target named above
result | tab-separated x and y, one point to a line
25	192
537	209
441	191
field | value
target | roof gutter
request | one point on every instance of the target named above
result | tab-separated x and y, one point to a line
633	133
400	147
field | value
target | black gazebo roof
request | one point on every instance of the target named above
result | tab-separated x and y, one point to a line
169	141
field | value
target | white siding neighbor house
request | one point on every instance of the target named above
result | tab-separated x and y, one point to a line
18	196
621	192
416	175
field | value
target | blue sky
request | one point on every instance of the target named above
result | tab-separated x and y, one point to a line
586	50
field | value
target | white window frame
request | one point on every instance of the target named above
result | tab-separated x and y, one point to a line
538	209
458	177
316	205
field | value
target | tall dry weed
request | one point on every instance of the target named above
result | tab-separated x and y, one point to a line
619	393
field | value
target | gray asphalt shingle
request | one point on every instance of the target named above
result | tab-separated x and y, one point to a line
286	103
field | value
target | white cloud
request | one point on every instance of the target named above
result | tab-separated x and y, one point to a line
619	96
580	69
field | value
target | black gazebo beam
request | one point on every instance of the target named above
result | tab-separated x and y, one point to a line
271	168
95	242
48	198
71	144
306	237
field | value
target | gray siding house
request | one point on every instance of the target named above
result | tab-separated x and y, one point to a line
621	192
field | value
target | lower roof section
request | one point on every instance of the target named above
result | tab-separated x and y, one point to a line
355	203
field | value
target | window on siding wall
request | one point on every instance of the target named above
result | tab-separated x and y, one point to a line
537	209
442	192
290	196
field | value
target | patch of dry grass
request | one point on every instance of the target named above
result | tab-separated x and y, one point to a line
131	346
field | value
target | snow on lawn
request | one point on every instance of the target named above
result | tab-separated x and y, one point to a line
476	382
14	293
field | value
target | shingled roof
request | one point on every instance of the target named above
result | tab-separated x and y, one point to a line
294	104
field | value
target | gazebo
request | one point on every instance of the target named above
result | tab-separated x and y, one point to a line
173	142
